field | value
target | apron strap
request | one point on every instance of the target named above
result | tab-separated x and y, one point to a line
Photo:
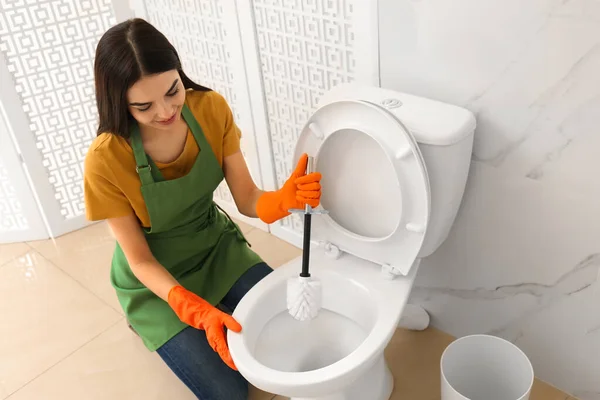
143	167
195	127
237	228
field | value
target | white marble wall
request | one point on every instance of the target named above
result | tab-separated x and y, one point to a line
523	260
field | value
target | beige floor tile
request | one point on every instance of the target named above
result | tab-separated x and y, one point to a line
86	256
244	226
273	250
115	365
543	391
414	358
80	240
257	394
9	252
46	315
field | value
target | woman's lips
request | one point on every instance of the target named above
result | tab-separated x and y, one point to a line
168	121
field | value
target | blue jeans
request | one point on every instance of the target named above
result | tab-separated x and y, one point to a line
199	367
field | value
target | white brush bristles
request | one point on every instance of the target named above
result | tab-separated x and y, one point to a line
303	298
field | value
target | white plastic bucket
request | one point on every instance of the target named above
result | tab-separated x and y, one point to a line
483	367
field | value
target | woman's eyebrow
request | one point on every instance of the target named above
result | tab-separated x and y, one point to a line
138	104
173	85
168	91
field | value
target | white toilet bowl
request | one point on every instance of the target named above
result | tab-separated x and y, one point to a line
339	354
394	171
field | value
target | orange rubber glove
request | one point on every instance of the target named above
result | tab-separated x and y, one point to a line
300	189
197	312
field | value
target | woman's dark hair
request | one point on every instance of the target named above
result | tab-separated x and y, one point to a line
125	53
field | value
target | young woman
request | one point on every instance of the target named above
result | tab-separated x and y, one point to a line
164	144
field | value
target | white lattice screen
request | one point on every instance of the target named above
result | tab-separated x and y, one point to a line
306	47
12	218
20	218
48	47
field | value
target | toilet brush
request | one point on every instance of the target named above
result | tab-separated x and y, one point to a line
304	292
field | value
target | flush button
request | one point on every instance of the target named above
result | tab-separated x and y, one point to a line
391	103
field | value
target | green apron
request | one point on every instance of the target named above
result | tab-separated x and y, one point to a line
200	246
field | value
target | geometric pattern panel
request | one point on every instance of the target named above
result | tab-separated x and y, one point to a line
198	31
12	218
306	48
49	47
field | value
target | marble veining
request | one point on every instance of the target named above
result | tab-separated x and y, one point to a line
524	128
581	277
584	276
523	258
593	330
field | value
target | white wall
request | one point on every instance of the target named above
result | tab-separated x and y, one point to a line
523	259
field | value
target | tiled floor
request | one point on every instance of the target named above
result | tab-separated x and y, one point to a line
63	334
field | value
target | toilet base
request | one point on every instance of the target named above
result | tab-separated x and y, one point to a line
414	318
375	384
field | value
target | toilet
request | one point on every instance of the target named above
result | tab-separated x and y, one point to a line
394	171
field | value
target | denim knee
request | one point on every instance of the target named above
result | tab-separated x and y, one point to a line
200	368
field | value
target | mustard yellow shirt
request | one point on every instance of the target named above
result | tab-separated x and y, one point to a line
111	184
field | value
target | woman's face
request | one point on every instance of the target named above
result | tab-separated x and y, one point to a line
156	100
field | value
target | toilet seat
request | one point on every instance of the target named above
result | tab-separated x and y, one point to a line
384	168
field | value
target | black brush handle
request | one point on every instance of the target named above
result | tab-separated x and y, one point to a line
306	246
307	228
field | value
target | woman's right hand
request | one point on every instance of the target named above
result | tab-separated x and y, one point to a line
197	312
189	307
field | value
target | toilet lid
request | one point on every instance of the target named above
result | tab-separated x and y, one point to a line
374	186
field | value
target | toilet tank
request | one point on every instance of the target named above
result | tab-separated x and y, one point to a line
444	134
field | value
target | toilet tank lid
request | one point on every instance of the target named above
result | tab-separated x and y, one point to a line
430	121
